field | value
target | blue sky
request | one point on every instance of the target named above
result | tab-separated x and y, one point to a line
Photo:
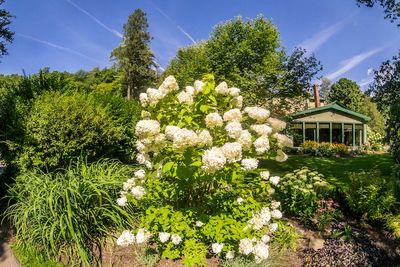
80	34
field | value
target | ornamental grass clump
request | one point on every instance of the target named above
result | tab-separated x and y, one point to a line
199	193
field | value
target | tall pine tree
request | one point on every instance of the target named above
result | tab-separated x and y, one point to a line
134	56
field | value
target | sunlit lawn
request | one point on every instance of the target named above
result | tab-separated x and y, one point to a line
334	169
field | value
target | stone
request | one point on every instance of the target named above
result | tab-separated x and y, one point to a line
316	243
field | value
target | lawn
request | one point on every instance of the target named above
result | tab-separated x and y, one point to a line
334	169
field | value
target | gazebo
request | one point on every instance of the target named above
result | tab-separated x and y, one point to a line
330	123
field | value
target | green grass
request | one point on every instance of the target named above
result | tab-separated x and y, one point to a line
334	169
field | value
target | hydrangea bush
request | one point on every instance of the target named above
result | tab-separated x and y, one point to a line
199	193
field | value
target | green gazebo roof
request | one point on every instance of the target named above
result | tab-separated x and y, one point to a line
331	106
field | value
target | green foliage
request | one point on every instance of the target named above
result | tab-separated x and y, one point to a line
286	237
134	56
28	256
300	191
62	127
347	93
390	7
247	54
386	93
370	194
69	213
6	36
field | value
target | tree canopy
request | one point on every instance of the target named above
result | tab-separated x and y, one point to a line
134	56
347	93
249	55
386	92
390	7
6	36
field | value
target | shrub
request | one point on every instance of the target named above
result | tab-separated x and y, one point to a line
324	149
202	194
309	146
299	192
62	127
68	213
370	194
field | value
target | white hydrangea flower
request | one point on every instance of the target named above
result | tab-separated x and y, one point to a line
230	255
265	215
170	131
271	191
234	91
249	164
277	214
284	141
274	180
266	238
169	85
145	114
217	247
205	138
141	158
140	174
275	204
138	191
213	120
273	227
245	140
126	238
237	101
144	99
281	156
261	251
148	164
264	175
147	128
184	138
199	223
154	96
261	145
256	222
128	184
122	201
257	113
239	200
198	86
190	90
222	89
276	125
233	115
164	237
140	147
185	98
234	129
213	160
232	152
176	239
142	236
246	246
261	129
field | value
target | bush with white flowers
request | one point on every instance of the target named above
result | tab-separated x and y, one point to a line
199	193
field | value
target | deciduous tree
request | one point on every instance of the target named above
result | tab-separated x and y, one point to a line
6	36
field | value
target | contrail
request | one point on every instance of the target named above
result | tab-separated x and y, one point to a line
171	20
59	47
115	32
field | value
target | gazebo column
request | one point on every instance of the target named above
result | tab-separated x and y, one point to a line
342	133
317	132
354	134
330	132
364	134
304	131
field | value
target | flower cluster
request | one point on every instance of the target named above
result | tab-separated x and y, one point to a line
197	146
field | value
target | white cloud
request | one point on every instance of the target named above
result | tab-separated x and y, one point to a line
351	63
59	47
370	71
172	21
315	42
115	32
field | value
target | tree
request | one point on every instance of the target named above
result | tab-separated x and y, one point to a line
6	36
247	54
325	87
391	8
134	56
347	93
386	92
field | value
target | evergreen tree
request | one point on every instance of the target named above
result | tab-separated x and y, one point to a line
348	93
134	56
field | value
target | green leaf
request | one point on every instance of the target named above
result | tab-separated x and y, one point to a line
167	166
204	108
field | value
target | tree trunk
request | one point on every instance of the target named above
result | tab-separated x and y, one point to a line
129	92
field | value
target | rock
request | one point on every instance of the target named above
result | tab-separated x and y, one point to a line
316	243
